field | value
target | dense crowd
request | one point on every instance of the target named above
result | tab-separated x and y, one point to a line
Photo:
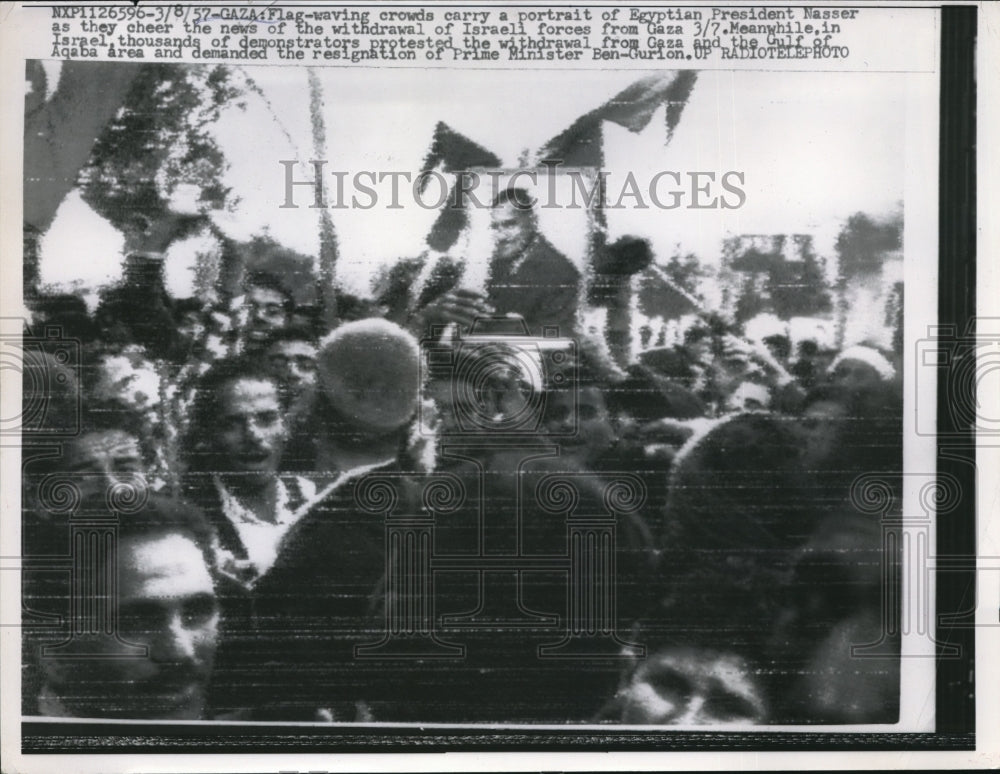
239	434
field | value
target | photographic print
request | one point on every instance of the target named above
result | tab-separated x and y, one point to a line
436	378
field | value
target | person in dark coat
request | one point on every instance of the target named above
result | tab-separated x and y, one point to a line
517	585
302	563
527	277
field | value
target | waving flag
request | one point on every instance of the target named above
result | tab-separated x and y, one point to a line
452	152
632	108
61	124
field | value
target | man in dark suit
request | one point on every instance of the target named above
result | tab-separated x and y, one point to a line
527	277
301	564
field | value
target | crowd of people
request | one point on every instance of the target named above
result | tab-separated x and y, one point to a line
237	435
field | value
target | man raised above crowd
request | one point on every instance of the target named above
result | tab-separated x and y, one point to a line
527	276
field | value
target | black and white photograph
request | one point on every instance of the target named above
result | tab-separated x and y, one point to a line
444	378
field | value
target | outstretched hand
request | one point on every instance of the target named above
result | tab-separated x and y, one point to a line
460	307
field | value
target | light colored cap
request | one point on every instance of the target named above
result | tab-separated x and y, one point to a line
370	373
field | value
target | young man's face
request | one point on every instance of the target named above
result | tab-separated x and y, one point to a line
251	429
293	363
595	434
166	603
103	460
513	230
686	686
266	313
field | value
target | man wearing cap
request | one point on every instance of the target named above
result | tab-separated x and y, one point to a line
859	368
527	276
306	564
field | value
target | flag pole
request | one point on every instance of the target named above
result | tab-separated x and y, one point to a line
326	279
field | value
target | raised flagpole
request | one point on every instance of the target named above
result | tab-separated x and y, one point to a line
326	278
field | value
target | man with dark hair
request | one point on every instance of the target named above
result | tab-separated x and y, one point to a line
289	355
269	306
234	449
303	564
578	416
527	275
237	436
112	450
157	661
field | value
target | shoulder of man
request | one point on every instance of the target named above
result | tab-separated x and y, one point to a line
545	259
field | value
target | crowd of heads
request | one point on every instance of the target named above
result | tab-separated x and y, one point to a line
747	450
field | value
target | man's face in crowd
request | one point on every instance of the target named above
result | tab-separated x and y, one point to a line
513	229
682	686
166	603
293	363
251	428
103	459
266	312
595	433
131	379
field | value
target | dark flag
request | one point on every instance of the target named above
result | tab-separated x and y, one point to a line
452	152
582	145
60	130
632	108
